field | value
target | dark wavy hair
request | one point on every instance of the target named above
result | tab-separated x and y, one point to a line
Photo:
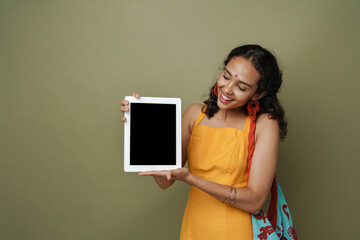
270	81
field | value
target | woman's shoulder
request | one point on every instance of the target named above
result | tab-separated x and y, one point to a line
195	108
267	125
191	113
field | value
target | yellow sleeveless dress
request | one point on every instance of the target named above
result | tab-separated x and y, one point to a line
218	155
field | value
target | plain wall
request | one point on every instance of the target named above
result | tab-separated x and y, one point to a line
66	65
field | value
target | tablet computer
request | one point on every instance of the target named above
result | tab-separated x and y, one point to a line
152	134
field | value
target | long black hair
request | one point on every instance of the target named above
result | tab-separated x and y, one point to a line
270	81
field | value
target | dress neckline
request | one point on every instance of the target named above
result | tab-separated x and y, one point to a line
202	115
234	128
231	128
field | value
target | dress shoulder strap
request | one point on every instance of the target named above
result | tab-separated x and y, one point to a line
246	127
200	116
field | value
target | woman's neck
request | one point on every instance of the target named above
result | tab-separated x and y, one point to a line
230	115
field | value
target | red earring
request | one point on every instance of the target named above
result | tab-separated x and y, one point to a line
253	107
215	90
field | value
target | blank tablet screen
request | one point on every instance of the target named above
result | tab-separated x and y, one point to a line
152	134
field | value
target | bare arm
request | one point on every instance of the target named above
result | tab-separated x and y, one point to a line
253	197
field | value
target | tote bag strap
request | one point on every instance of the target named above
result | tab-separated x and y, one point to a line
272	212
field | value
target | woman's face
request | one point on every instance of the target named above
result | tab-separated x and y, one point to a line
237	84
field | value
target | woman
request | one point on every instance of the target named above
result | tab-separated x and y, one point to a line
222	192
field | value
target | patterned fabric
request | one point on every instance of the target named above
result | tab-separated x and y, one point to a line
262	228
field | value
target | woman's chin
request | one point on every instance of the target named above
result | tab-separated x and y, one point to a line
228	106
224	106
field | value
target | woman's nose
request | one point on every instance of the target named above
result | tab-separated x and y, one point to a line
228	88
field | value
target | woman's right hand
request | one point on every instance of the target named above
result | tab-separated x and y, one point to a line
124	105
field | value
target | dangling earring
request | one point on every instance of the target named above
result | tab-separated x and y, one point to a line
253	107
215	90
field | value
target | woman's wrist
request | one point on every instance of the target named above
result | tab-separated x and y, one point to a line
190	179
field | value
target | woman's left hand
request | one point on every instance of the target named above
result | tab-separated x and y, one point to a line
181	174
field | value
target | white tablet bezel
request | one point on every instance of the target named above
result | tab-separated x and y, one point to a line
141	168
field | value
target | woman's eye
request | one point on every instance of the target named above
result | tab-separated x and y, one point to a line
242	89
226	77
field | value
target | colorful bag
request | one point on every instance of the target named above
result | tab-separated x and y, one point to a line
278	225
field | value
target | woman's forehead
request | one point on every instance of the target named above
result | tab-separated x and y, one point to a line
242	67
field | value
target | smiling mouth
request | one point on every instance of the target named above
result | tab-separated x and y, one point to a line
223	96
224	99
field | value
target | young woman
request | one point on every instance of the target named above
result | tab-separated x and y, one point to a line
215	144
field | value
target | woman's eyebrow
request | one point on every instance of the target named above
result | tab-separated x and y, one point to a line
239	79
227	71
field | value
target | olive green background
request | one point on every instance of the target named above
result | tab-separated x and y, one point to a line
66	65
